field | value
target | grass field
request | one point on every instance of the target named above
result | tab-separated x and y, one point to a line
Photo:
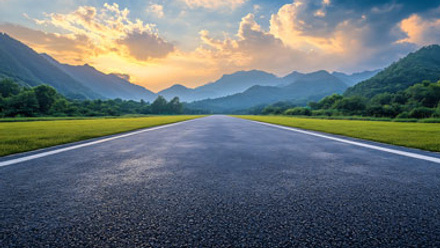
30	135
424	136
54	118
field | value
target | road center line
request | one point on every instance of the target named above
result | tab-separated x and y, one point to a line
65	149
374	147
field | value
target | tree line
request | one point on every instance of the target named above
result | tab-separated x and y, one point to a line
43	100
421	100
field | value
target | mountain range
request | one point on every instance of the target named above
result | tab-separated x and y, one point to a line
239	82
228	84
305	87
241	89
27	67
109	85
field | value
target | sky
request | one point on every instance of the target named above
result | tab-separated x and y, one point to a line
158	43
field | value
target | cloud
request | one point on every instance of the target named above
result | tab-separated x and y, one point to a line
351	39
322	11
157	10
421	31
214	4
257	8
145	45
253	48
110	30
122	76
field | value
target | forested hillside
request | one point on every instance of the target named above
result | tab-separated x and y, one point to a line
423	64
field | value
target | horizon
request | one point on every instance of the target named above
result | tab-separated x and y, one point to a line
194	42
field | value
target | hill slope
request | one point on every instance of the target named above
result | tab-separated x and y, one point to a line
21	63
423	64
27	67
108	85
355	78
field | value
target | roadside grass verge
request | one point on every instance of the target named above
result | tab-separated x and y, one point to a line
368	118
24	136
55	118
425	136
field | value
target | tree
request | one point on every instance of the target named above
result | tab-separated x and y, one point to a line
350	105
326	102
159	106
46	97
298	111
271	110
175	106
421	112
382	99
2	106
25	103
60	106
8	88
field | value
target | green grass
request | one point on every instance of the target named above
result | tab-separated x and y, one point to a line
424	136
30	135
367	118
54	118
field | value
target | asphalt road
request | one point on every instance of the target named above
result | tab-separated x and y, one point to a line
221	182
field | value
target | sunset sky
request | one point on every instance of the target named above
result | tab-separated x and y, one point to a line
191	42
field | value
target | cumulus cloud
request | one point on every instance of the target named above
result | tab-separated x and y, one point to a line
110	30
352	38
145	45
214	4
253	48
157	10
421	31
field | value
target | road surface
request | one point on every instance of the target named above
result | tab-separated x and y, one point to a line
220	182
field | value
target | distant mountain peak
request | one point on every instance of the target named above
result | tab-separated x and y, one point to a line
319	73
178	86
88	66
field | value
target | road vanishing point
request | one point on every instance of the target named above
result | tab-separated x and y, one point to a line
220	181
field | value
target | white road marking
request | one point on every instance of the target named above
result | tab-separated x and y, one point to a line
65	149
389	150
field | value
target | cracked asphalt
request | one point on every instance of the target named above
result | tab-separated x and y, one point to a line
221	182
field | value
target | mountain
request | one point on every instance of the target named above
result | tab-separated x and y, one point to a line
110	86
292	77
355	78
306	88
228	84
27	67
21	63
185	94
239	81
423	64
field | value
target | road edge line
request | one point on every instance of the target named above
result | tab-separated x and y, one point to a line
74	147
374	147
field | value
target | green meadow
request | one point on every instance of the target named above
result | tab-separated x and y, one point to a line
30	135
424	136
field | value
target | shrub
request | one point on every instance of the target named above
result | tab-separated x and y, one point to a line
298	111
323	112
403	115
421	112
